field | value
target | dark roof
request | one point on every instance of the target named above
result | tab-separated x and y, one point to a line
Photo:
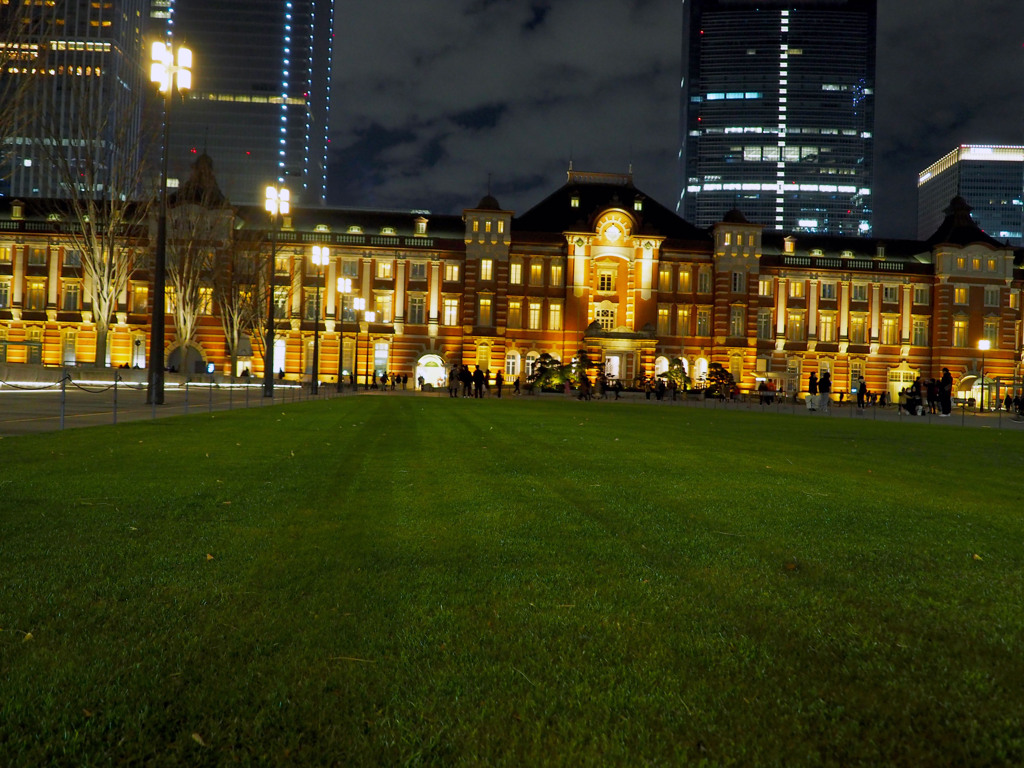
372	222
735	216
959	228
201	187
597	193
488	203
773	243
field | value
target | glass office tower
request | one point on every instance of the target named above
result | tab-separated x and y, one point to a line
72	86
778	113
261	97
989	178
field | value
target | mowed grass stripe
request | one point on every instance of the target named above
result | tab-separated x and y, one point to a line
534	581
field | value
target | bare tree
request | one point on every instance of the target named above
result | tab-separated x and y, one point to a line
198	230
239	290
98	161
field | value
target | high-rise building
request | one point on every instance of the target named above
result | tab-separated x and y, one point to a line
72	87
261	96
777	113
990	179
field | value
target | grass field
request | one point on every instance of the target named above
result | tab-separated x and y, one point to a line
414	581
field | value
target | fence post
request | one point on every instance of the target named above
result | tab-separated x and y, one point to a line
117	378
63	397
186	396
211	396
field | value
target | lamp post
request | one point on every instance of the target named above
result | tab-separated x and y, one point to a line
168	71
278	203
344	288
321	257
984	345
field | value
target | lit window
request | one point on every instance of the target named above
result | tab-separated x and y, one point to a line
764	286
683	321
556	275
536	272
684	280
827	327
534	318
35	296
484	315
515	272
960	295
796	289
37	257
385	270
515	314
665	278
889	330
555	316
451	272
512	364
606	319
451	312
858	329
486	269
960	333
664	321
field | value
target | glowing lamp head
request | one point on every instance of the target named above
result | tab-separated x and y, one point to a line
321	255
278	201
984	345
344	285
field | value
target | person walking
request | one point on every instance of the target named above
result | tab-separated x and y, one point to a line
499	382
861	392
812	392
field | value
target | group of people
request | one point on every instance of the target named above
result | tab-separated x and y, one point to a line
819	392
930	396
475	383
393	381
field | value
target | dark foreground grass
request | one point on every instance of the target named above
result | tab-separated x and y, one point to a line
405	581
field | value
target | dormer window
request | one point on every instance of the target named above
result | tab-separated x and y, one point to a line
17	210
355	229
574	201
790	245
638	204
321	228
420	227
388	231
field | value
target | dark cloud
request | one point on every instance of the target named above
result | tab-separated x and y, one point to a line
430	97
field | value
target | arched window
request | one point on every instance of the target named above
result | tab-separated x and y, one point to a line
701	369
512	364
531	360
660	366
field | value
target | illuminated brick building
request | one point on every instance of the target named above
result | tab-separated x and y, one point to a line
598	266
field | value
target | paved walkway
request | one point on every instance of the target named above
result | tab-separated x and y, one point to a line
25	411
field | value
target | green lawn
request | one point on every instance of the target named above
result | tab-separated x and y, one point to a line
417	581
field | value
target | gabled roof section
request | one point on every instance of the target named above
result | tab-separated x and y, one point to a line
576	206
201	187
959	228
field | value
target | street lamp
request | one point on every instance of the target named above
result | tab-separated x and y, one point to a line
278	203
168	71
984	345
321	257
344	288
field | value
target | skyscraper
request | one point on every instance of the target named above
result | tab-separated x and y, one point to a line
990	179
73	92
260	103
777	113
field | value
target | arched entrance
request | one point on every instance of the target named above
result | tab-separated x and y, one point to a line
193	361
433	370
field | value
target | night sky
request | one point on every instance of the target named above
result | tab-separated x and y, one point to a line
430	97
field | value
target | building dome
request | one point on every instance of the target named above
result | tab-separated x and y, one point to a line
488	203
